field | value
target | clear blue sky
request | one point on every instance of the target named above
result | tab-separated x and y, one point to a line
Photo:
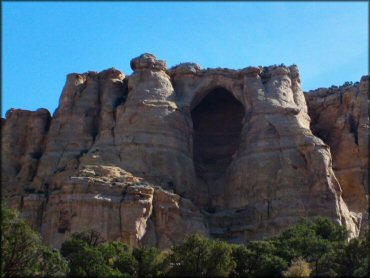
44	41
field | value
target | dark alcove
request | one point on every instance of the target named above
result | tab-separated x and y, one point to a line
217	123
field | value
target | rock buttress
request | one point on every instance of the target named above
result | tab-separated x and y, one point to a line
340	118
22	145
153	134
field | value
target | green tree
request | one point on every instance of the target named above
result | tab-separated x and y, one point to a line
354	260
151	261
52	263
319	243
257	259
90	256
91	237
329	230
190	257
198	256
85	259
23	254
220	261
363	269
119	257
243	265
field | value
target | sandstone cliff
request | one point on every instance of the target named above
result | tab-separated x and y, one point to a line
162	153
340	117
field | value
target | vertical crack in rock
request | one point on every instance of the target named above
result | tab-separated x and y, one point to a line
353	127
112	94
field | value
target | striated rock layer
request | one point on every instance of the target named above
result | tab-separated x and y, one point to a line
152	157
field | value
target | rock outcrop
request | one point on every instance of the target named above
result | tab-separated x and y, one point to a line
152	157
153	135
340	117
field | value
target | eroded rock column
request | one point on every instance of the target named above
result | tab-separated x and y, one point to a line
74	126
113	93
152	134
23	143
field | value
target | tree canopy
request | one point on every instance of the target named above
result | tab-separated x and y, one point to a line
23	253
310	248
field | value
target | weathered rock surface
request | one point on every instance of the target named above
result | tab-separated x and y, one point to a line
153	135
23	140
162	153
340	117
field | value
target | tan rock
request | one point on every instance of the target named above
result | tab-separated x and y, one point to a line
113	93
85	198
23	143
153	135
160	154
115	203
340	118
276	171
174	218
73	127
136	208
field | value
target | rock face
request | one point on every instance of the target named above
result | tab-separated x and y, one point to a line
339	116
152	157
153	135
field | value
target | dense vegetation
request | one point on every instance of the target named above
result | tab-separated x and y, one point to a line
22	252
318	248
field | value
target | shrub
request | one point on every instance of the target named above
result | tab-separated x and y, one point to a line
298	268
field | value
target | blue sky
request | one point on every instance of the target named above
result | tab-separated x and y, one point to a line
44	41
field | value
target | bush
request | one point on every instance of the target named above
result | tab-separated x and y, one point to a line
298	268
347	83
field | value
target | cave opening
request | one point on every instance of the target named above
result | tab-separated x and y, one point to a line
217	124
